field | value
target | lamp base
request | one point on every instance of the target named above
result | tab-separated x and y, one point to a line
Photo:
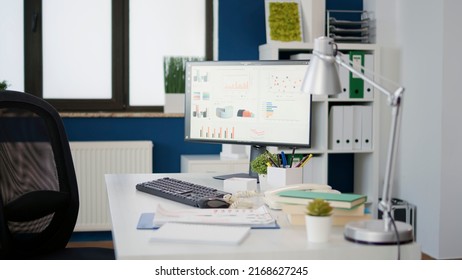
373	232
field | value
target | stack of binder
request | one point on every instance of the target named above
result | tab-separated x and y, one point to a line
350	127
353	87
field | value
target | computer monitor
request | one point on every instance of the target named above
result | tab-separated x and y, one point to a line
256	103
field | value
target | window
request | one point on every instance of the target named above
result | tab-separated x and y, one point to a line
107	54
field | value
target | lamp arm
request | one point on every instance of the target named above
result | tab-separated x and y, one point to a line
394	100
322	79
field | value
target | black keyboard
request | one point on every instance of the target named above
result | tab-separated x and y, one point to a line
180	191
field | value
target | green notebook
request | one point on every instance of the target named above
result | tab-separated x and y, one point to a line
342	200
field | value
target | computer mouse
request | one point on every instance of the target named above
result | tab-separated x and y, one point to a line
212	202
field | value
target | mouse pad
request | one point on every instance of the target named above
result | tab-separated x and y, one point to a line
146	221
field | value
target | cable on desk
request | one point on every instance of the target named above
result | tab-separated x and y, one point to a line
396	234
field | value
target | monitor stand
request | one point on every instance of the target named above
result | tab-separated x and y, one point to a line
236	175
255	151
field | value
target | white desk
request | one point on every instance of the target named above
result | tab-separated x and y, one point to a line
289	242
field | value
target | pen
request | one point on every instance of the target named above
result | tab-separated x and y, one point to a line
279	159
270	159
284	160
306	160
292	159
302	160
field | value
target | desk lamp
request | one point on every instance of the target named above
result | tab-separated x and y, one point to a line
322	79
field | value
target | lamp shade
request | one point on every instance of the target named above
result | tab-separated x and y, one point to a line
322	76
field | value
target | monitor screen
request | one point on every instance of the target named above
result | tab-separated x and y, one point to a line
257	103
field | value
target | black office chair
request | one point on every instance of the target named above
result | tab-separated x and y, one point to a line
39	199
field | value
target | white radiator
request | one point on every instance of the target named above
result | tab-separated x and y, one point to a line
94	159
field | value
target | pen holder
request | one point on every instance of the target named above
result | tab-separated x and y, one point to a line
278	177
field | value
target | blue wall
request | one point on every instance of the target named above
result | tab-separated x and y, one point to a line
242	26
241	31
166	133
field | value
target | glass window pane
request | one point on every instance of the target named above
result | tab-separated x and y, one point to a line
158	29
12	44
77	57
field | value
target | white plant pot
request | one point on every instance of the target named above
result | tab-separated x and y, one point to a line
174	103
318	228
263	182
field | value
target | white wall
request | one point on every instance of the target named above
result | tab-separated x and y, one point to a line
425	36
451	173
390	61
420	179
11	44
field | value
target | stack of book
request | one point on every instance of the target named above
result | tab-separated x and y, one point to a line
347	207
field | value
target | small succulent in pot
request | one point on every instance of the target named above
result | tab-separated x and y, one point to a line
319	207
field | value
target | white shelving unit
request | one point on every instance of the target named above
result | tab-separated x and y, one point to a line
366	162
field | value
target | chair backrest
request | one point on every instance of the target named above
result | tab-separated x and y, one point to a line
39	200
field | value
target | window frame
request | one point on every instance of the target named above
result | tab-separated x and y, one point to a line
33	60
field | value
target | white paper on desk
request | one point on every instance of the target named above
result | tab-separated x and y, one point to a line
199	233
217	216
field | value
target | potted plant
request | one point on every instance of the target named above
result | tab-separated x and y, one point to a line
260	166
3	85
174	82
318	220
